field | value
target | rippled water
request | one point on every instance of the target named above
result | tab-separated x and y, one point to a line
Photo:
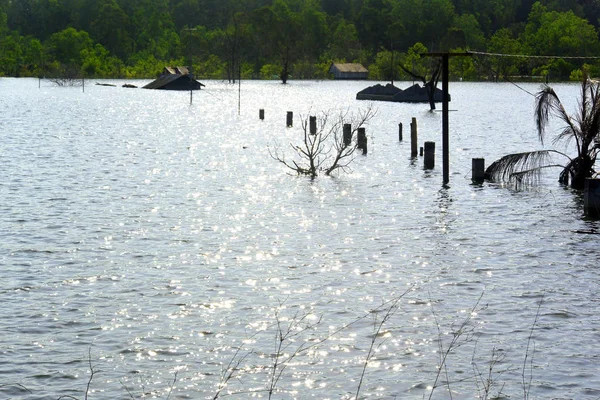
159	243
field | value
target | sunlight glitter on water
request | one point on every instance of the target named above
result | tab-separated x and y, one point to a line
207	237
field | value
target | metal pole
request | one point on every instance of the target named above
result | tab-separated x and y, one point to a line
445	124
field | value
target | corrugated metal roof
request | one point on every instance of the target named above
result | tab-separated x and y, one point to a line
176	70
162	81
167	82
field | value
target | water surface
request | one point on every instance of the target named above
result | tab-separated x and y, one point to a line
160	243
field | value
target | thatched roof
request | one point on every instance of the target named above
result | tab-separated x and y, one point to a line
349	67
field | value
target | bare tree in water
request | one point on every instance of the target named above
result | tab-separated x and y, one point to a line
430	81
583	128
327	150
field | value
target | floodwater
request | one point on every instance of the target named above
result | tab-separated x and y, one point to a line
157	244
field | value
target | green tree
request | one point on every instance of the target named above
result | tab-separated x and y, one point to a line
559	33
278	34
344	45
465	32
503	42
151	27
11	55
109	28
3	24
97	62
66	48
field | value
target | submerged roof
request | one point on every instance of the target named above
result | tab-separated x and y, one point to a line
389	92
175	78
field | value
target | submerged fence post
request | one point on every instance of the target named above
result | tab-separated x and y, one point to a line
362	140
290	119
347	134
429	160
478	170
261	114
413	137
313	125
400	132
591	198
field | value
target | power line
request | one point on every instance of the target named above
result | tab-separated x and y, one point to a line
485	65
481	53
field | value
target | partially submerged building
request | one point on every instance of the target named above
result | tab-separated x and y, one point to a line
175	78
349	71
389	92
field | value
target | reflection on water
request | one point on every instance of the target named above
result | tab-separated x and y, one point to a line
158	242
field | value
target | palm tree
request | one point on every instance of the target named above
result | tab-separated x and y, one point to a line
582	128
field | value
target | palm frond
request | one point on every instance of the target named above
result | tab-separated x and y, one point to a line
567	135
592	128
521	167
547	103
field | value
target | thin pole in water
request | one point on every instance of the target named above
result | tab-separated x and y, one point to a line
239	89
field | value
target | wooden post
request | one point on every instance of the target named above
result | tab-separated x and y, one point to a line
313	125
290	119
429	160
361	140
413	137
591	198
478	170
400	131
421	151
261	114
191	96
347	134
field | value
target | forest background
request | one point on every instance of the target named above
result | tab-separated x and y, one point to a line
256	39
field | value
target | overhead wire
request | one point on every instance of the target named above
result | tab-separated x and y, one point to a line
487	54
496	72
482	53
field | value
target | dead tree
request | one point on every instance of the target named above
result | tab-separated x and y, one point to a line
430	83
325	151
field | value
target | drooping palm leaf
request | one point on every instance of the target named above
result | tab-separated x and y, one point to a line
547	103
521	167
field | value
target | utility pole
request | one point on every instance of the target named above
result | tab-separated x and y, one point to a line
445	109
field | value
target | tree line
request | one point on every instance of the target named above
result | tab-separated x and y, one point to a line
281	39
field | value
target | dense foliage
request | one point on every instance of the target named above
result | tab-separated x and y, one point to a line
296	38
